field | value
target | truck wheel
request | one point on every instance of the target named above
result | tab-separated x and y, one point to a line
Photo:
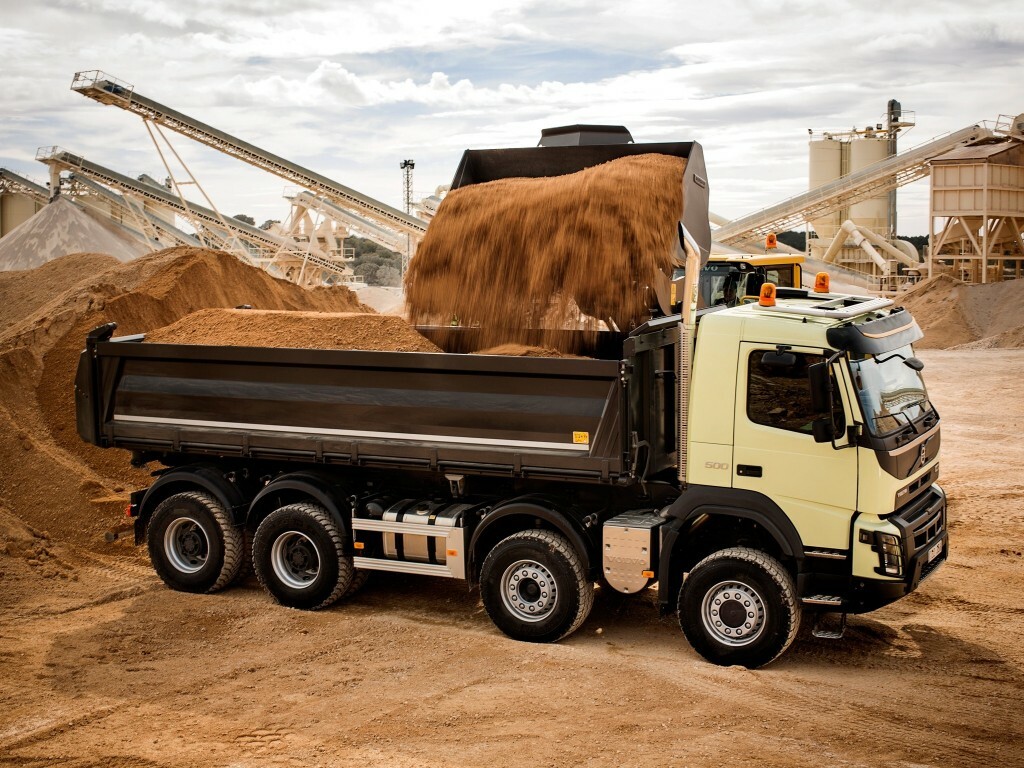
192	543
299	556
535	588
739	606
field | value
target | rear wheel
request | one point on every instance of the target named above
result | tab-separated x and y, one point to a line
299	557
192	543
534	587
739	606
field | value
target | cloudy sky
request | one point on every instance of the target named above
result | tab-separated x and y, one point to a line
350	89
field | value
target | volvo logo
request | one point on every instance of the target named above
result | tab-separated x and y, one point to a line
922	456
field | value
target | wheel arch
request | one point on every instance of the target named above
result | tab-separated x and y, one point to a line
297	487
523	514
204	477
705	519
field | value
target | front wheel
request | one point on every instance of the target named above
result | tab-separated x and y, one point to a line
299	556
739	606
534	587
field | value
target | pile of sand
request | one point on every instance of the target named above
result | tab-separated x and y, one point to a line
51	479
61	228
298	330
500	254
954	314
521	350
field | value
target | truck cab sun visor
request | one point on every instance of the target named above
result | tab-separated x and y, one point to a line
876	337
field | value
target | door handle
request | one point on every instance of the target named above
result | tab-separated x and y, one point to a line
748	470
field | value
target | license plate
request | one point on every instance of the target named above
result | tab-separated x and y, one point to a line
935	551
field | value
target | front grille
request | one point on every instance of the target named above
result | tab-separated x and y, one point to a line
928	529
922	520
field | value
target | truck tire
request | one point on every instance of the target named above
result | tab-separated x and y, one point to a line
534	587
299	556
739	606
358	582
192	543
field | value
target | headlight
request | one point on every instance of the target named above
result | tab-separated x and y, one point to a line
890	554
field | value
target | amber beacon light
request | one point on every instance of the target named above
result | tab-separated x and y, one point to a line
767	297
771	241
821	284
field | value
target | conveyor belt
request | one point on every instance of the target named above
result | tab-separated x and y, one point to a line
109	90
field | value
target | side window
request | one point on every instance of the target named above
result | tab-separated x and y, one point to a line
781	276
780	396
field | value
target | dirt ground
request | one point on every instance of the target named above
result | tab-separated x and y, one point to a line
100	665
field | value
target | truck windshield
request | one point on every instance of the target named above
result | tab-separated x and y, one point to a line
891	393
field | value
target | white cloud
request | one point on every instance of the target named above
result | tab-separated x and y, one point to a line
349	88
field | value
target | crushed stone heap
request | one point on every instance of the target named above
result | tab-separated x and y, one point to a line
61	228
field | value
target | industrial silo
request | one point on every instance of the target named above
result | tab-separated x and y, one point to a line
873	213
826	165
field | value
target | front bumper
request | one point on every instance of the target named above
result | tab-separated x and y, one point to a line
925	540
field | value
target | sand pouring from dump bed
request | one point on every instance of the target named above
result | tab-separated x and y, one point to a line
500	254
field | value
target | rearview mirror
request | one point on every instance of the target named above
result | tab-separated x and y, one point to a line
776	359
821	387
823	429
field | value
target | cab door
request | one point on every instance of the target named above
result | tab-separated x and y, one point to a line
774	452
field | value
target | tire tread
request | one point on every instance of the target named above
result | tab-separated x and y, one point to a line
323	518
776	572
563	547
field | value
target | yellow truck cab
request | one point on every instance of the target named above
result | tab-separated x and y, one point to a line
812	439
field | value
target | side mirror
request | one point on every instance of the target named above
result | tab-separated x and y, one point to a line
776	359
913	362
823	429
821	387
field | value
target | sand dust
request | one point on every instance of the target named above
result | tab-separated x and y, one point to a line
300	330
499	254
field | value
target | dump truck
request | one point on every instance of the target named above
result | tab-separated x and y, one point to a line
756	465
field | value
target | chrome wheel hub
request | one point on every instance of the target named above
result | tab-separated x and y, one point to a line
528	590
295	559
185	545
733	613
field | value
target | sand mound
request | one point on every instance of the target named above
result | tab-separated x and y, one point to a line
61	228
23	293
299	330
521	350
500	254
51	479
953	313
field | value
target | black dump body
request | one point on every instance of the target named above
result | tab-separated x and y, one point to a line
557	418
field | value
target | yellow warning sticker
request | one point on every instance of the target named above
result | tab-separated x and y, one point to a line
581	438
